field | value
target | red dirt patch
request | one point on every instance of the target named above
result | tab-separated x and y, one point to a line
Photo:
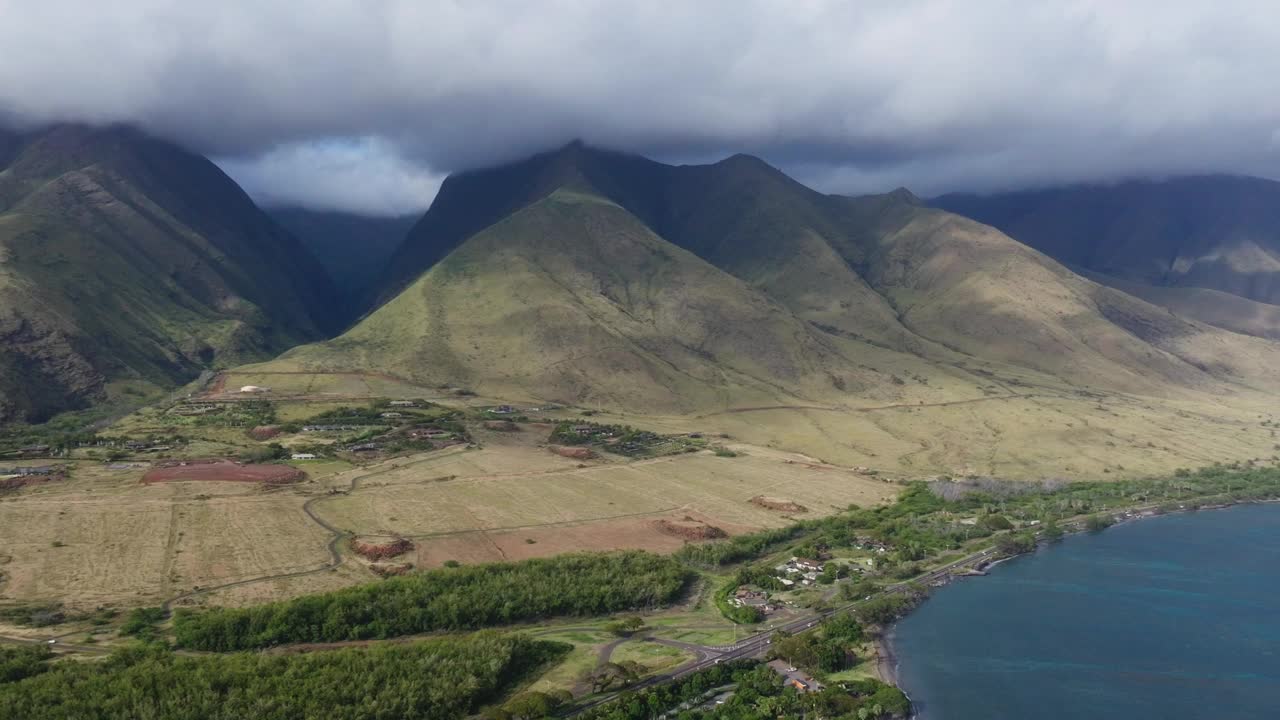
689	529
223	471
577	453
779	504
391	570
381	551
264	432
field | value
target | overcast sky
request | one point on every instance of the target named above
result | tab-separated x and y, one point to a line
366	105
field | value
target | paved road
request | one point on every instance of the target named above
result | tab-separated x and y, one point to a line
758	644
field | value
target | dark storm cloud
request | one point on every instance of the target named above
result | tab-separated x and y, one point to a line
302	99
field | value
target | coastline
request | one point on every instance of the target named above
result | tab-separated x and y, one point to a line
886	658
888	663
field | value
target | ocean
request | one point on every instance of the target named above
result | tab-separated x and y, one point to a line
1165	618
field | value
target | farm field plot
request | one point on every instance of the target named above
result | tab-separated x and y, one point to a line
223	471
235	538
105	538
454	513
92	550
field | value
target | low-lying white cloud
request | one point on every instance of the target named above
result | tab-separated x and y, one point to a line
934	94
365	176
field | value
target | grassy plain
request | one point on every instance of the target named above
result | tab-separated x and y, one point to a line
102	537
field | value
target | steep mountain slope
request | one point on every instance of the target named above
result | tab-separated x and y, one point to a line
1213	232
1215	307
354	249
125	258
851	273
573	298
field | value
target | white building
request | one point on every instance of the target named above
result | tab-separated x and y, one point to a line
304	456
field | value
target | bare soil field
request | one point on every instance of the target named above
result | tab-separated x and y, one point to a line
224	471
629	533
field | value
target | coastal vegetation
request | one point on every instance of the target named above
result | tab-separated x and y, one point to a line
427	680
758	692
467	597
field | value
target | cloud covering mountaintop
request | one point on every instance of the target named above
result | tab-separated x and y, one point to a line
365	105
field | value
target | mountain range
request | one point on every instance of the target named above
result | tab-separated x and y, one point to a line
606	279
1207	247
596	277
127	262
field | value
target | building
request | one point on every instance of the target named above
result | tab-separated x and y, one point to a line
254	389
392	415
304	456
403	403
503	410
29	471
328	428
796	678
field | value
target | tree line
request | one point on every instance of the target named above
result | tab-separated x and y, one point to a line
467	597
428	680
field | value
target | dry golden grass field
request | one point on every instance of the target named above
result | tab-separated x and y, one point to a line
104	537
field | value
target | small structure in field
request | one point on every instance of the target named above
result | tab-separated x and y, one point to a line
254	389
304	456
402	403
391	415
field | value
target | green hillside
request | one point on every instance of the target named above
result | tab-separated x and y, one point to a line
124	258
1217	233
595	277
574	299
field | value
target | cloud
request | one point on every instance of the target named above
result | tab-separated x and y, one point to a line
934	94
365	176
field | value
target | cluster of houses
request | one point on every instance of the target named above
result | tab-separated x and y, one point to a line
799	570
41	470
188	409
331	428
429	434
759	599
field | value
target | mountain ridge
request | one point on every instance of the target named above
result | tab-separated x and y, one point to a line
125	258
878	271
1216	232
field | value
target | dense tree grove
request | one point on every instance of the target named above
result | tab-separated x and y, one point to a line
926	520
448	599
758	692
429	680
